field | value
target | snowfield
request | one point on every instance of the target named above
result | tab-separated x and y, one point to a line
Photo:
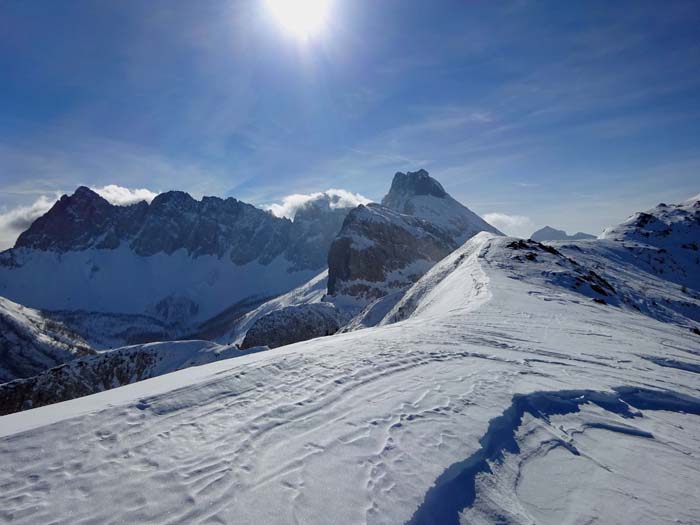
510	390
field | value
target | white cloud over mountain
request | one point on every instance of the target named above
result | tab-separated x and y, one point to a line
337	198
122	196
16	220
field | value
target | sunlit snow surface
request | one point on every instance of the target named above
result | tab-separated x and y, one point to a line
359	427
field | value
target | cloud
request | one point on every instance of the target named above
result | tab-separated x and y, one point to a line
121	196
515	225
335	198
18	219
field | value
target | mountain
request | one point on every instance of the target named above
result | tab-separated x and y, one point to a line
550	234
30	342
514	382
177	260
419	195
383	249
380	251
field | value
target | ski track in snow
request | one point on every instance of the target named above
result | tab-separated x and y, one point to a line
356	427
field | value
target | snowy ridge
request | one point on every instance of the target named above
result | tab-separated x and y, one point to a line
530	382
459	273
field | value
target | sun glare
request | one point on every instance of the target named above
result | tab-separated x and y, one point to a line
302	18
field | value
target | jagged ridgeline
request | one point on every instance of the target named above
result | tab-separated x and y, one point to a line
177	259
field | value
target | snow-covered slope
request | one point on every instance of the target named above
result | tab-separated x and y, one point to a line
30	342
308	293
517	388
667	239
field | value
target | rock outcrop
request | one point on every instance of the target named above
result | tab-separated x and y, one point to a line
293	324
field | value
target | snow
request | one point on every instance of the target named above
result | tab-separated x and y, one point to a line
119	281
358	427
308	293
30	342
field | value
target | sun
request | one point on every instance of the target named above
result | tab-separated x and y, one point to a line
302	18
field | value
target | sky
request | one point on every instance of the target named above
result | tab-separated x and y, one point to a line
572	114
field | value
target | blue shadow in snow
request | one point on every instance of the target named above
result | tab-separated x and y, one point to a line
455	489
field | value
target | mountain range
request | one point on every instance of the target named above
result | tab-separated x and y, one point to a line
211	270
492	380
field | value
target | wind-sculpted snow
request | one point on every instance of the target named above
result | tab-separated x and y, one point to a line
455	489
358	426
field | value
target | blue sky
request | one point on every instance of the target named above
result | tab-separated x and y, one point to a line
573	114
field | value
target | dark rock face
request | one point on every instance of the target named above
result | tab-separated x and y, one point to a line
80	378
379	250
80	221
411	184
97	373
292	324
30	343
174	221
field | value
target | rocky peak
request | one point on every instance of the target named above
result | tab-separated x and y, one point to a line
83	193
174	220
174	200
411	184
71	221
